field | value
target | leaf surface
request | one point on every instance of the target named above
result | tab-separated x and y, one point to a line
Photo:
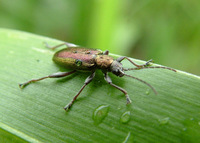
35	113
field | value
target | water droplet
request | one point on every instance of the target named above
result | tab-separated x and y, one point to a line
125	117
184	129
100	113
164	121
119	107
147	92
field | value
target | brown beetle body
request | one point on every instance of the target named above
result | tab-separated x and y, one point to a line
85	59
82	59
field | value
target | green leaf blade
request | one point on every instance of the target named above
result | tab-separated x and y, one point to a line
36	113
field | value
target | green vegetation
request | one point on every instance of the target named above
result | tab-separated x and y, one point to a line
36	114
166	31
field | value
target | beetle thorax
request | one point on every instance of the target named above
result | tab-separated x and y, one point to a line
103	61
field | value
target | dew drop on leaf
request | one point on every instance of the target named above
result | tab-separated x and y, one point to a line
147	92
125	117
100	113
164	121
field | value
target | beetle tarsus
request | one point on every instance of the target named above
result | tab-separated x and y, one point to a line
148	63
21	85
68	106
128	100
46	45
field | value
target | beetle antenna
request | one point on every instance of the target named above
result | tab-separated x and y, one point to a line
138	68
142	82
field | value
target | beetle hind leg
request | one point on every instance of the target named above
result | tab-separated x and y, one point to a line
54	47
55	75
108	79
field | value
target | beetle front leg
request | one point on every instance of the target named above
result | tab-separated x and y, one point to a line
108	79
55	75
87	81
54	47
143	65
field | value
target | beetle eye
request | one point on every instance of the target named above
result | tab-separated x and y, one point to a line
78	63
118	72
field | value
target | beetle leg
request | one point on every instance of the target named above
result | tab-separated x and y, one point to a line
108	79
55	75
128	69
87	81
143	65
54	47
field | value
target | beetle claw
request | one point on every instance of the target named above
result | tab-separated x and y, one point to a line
148	63
67	107
21	85
128	100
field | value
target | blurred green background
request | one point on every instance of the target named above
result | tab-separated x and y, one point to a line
166	31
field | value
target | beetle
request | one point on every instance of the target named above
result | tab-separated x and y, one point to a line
84	59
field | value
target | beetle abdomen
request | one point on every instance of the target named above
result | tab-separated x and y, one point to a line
76	58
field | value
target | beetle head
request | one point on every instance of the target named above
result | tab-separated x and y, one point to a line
117	68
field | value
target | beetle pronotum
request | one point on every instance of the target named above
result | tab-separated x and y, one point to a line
79	58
